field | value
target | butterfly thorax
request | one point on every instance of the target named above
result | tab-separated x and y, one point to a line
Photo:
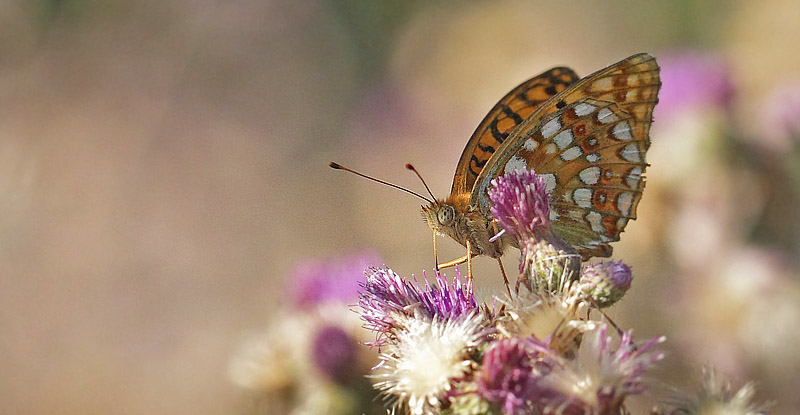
456	218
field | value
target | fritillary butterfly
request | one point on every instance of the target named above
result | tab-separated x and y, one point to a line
587	137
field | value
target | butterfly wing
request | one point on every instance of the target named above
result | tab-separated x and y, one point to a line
590	142
504	117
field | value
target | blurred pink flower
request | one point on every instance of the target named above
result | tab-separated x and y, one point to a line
693	79
334	352
781	112
334	280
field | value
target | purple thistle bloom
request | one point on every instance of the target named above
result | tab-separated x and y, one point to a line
314	281
521	205
507	378
520	202
333	352
604	283
386	296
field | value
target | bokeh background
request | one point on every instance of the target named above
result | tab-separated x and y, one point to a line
163	173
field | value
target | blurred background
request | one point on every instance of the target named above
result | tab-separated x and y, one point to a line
164	179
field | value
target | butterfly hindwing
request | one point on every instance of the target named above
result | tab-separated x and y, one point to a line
590	142
598	174
503	118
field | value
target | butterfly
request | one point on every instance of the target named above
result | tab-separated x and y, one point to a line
586	137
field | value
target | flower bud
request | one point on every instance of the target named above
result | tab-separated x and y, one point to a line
605	283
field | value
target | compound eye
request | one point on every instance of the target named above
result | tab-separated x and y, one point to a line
446	215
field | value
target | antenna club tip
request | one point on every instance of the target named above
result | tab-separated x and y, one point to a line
409	166
334	165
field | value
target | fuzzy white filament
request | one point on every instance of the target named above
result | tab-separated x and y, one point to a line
418	368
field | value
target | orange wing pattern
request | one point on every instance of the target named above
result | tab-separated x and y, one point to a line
504	117
632	84
589	142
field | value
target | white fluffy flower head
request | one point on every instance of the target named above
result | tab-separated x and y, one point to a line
716	396
551	317
418	368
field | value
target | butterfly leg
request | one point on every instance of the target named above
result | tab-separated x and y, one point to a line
456	261
466	258
435	252
469	266
505	279
610	321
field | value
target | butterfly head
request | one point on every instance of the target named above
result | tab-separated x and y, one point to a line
440	216
455	219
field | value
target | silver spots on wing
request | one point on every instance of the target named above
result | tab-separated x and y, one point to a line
622	131
551	127
584	109
606	116
516	163
563	139
631	153
590	175
624	203
595	222
571	153
582	197
634	177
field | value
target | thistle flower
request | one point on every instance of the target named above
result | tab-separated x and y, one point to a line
555	319
419	368
520	204
387	301
604	283
506	379
598	379
715	396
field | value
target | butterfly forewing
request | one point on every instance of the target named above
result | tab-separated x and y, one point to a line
590	142
504	117
632	84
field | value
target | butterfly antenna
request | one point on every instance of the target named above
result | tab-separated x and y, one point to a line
338	166
410	167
